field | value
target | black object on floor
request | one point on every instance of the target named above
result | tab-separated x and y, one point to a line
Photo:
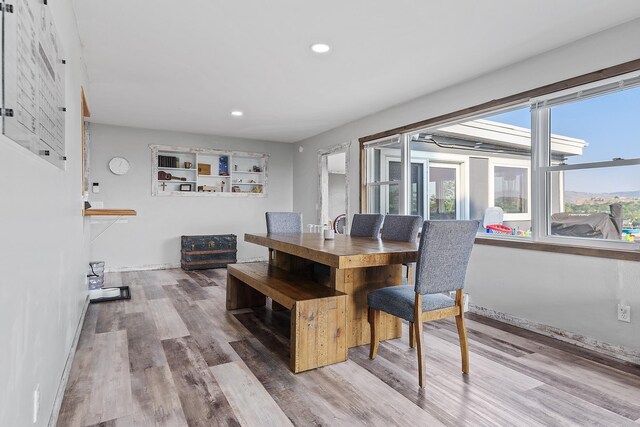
124	294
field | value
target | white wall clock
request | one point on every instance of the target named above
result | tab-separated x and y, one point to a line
119	165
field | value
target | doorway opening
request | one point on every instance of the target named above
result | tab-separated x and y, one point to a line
333	206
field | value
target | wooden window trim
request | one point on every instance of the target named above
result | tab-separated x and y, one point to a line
84	114
606	73
560	248
592	77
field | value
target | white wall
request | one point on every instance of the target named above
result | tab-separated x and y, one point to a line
574	293
528	284
153	237
42	255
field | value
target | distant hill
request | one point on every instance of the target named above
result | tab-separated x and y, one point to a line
577	197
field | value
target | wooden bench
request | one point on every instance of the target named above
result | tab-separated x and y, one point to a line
318	313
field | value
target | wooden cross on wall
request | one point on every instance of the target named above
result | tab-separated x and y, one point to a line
164	186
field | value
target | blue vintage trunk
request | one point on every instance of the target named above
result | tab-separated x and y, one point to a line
203	252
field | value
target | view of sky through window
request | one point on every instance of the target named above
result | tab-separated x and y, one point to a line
610	124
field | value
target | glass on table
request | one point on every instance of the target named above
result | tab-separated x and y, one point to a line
315	228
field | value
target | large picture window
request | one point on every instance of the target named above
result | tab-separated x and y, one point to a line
597	195
564	168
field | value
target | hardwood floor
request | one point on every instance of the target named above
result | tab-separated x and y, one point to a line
173	356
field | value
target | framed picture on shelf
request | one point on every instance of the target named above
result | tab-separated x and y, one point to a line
185	187
204	169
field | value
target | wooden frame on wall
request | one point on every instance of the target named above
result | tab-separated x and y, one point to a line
487	107
85	113
323	178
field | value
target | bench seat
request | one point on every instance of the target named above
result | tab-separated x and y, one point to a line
318	313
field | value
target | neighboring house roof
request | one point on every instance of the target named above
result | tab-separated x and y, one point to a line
502	134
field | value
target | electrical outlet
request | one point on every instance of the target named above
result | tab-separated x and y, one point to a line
36	403
624	313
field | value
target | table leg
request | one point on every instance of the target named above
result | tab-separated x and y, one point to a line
356	283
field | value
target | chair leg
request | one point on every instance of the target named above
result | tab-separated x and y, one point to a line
418	332
270	256
409	274
417	322
462	334
412	336
374	323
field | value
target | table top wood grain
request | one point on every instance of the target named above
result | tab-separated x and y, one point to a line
341	252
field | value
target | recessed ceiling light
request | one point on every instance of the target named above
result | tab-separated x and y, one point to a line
320	47
237	113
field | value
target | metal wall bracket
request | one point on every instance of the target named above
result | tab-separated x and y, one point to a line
108	227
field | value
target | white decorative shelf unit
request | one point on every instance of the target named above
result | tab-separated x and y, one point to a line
206	172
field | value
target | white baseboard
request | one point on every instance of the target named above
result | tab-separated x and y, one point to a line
169	266
142	267
611	350
57	402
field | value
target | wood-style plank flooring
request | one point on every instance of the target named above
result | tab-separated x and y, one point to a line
173	356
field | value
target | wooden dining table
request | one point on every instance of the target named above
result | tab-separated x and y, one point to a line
352	265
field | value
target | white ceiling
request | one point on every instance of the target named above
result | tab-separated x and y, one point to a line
184	65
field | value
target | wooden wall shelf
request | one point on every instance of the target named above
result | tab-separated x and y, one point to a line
110	212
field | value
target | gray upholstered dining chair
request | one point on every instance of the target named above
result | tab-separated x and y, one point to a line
283	222
443	255
402	228
366	225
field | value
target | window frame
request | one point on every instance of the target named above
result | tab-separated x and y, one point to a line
461	161
516	164
461	203
428	159
385	163
540	100
541	162
368	182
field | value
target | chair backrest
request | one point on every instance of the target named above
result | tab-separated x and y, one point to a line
443	255
284	222
403	228
493	215
366	225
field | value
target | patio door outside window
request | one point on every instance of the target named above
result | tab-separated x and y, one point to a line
436	195
444	191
